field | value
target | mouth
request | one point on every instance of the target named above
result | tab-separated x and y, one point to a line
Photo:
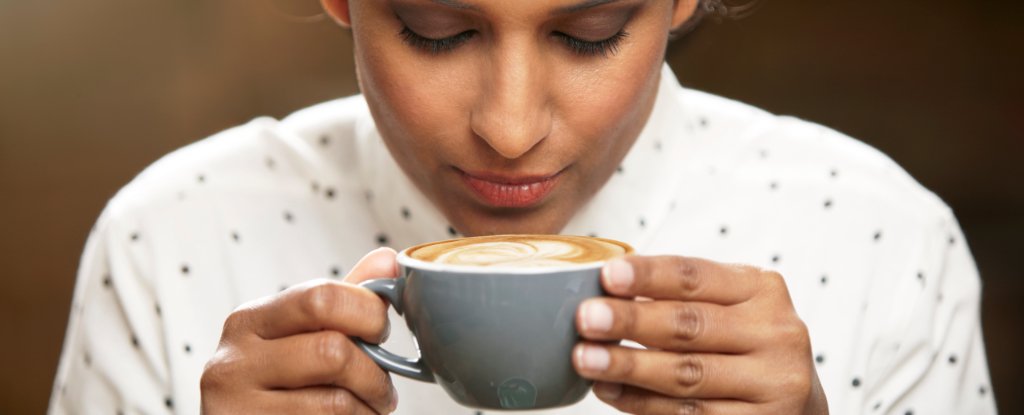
505	191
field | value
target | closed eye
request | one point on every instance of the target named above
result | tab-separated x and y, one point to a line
434	46
605	47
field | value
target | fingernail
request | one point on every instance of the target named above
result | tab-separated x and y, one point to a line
608	391
597	317
618	274
594	358
387	332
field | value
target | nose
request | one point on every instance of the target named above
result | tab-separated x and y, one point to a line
512	113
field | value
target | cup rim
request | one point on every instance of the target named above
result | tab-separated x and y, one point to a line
407	261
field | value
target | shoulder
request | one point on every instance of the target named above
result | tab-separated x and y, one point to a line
264	155
761	150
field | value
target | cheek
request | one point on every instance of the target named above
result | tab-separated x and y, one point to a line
611	103
412	100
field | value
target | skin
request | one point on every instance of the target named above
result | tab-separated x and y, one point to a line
515	98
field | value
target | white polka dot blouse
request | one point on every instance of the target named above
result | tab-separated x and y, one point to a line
876	265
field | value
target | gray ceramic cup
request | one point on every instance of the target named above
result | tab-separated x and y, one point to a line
493	338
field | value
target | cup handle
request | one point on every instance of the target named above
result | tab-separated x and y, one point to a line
391	289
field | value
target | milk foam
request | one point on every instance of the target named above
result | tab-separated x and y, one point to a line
520	251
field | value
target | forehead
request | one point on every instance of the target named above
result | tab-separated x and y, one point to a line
517	7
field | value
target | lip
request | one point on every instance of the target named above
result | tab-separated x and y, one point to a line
504	191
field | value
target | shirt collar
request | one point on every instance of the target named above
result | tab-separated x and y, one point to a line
630	207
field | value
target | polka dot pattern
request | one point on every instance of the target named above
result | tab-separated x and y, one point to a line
259	213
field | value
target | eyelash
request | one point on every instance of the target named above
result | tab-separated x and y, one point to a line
580	47
434	46
606	47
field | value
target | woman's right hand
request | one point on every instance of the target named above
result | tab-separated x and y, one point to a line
291	352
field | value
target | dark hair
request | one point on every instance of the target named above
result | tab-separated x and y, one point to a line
726	8
716	9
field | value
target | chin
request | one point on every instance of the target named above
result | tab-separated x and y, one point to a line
508	221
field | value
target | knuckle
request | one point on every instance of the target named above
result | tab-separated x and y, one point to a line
800	332
331	349
623	363
795	381
688	273
795	331
625	316
237	321
212	378
687	324
337	402
690	407
217	371
689	374
320	300
773	280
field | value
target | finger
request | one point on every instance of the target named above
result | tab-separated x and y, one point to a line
634	400
316	400
681	278
680	375
323	358
672	325
379	263
313	306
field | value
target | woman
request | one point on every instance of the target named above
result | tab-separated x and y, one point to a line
486	117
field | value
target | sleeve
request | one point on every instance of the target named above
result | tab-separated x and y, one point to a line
939	364
113	359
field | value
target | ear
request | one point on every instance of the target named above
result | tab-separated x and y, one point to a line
682	12
338	10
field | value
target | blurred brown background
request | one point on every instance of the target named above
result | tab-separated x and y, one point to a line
92	92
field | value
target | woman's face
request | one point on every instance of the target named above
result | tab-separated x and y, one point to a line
509	115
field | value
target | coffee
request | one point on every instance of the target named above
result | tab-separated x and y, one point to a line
520	250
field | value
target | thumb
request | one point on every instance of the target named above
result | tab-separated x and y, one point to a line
379	263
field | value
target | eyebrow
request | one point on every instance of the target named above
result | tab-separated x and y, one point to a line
582	6
562	10
456	4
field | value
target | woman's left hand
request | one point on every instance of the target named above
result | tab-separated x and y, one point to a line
720	338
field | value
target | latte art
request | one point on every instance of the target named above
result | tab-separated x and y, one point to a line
520	250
